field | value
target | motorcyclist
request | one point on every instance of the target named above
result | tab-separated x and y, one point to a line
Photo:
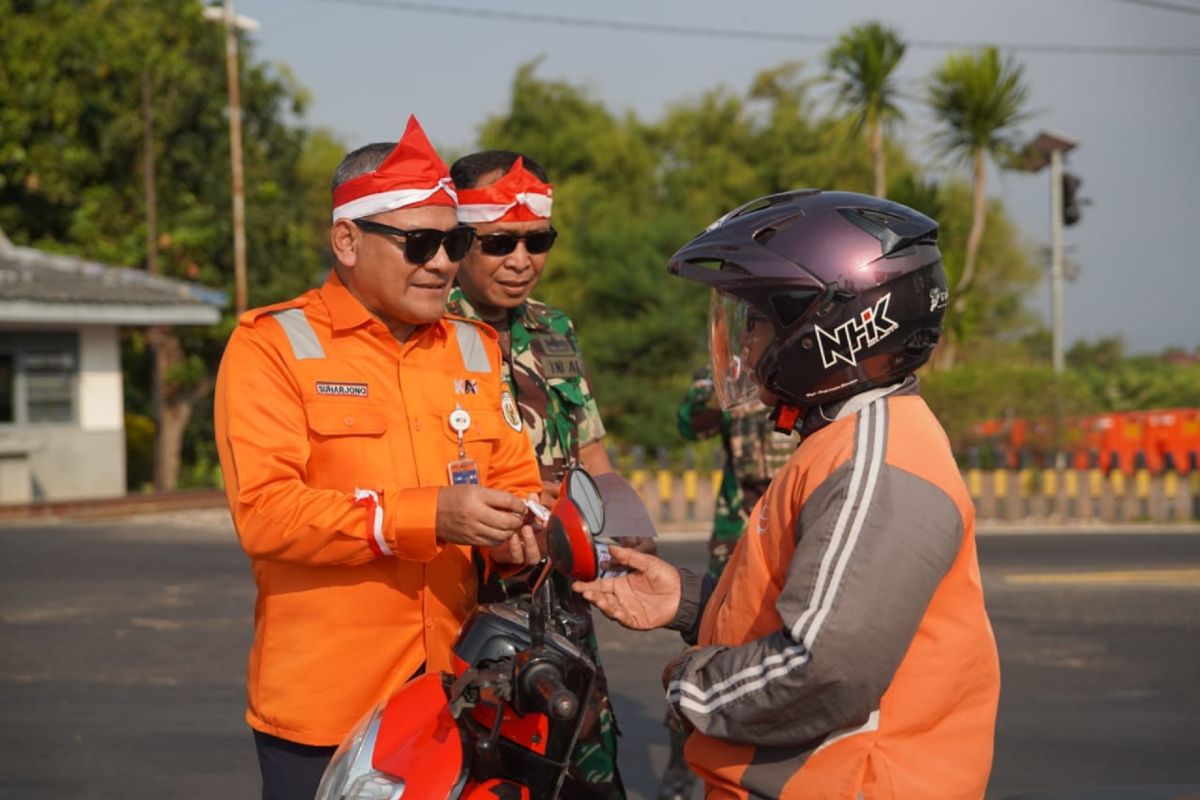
846	651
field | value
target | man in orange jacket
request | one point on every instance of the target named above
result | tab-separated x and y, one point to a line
845	652
368	444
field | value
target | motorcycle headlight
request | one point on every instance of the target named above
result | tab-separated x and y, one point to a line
350	775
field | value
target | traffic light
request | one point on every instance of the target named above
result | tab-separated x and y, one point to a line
1070	191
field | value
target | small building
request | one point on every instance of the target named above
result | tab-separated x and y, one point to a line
62	409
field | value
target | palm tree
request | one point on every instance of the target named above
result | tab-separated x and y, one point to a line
862	63
978	98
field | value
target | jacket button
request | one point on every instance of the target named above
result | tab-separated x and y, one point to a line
349	420
416	424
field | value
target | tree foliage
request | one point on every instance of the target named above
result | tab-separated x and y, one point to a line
979	99
71	156
630	192
861	64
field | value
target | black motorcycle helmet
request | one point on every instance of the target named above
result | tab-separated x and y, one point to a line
817	296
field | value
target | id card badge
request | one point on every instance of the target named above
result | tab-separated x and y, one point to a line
464	470
604	566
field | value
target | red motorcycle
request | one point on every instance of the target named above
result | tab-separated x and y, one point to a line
503	725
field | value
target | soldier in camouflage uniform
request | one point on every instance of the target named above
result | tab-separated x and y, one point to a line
507	199
753	452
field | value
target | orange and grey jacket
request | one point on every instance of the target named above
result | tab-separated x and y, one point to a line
334	441
846	651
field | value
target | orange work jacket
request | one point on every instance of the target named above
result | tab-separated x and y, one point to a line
334	440
846	653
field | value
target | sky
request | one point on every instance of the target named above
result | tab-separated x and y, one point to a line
369	63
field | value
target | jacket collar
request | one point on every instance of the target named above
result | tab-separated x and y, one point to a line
818	417
530	314
345	312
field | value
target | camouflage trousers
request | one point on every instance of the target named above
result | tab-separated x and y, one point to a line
593	774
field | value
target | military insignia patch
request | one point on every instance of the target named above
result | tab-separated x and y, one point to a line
508	408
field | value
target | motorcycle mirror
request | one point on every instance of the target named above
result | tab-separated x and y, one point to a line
582	489
569	540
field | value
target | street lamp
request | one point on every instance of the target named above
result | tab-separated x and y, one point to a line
234	22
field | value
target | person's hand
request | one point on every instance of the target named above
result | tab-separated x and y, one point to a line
643	544
643	599
522	547
475	515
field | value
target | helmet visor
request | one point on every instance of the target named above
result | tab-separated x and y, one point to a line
738	336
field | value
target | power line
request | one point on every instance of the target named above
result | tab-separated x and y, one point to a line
759	35
1165	6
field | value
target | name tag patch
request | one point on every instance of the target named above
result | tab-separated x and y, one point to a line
562	367
558	357
342	389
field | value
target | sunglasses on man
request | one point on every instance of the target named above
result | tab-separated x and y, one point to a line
503	243
421	244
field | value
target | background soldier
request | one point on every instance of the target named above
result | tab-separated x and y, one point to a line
507	199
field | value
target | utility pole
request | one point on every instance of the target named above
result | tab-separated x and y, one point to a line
155	335
148	175
233	23
1048	149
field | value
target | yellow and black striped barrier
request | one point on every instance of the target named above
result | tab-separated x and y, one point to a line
688	496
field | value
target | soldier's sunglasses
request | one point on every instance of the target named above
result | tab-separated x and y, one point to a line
501	244
421	244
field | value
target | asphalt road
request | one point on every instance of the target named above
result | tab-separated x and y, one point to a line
123	648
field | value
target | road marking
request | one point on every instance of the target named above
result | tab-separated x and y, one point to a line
1180	578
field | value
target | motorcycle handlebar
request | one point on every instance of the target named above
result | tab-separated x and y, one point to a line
544	682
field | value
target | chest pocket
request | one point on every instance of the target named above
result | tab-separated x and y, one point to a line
328	420
480	440
485	426
346	440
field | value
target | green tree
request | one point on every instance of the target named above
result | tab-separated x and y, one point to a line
978	99
640	329
862	64
72	150
629	193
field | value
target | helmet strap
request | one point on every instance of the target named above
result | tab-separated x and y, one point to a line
785	417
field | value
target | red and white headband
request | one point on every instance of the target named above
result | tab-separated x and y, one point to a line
412	175
519	196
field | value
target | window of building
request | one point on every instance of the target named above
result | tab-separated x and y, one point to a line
8	376
39	375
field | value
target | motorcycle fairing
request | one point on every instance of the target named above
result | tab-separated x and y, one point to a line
531	731
420	741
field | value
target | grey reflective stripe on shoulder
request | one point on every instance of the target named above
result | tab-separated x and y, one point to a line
301	334
470	344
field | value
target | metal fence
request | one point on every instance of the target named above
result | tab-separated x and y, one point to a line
688	496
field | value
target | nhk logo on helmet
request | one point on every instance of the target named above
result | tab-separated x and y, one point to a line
866	330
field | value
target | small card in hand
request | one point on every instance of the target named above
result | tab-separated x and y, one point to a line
604	566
